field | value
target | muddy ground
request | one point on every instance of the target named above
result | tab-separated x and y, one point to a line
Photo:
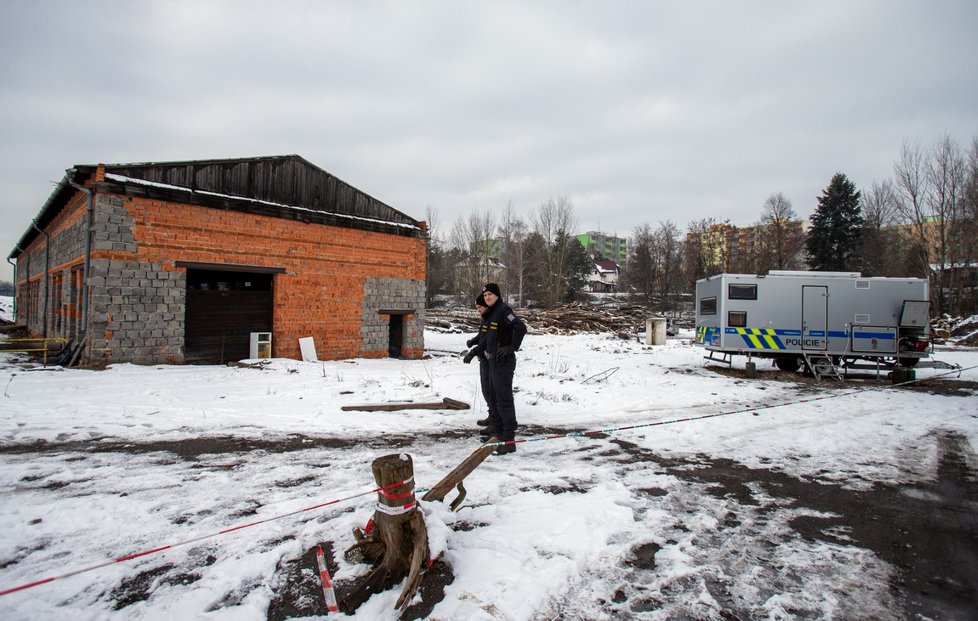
927	532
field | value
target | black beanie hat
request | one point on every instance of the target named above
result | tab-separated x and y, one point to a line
492	288
481	301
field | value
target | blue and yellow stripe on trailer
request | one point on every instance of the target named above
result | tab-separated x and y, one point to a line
705	334
760	338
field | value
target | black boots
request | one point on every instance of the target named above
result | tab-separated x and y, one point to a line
483	422
505	449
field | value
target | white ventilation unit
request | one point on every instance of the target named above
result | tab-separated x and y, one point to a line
261	345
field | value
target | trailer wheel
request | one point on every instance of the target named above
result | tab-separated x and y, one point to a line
791	364
908	362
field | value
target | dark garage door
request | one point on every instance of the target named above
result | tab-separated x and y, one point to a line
223	309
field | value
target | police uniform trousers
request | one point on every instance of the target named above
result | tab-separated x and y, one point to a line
485	381
501	375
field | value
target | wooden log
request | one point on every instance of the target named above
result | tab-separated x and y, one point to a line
444	404
456	476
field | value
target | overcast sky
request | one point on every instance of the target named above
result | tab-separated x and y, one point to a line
637	111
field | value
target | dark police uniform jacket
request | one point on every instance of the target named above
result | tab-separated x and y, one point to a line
501	327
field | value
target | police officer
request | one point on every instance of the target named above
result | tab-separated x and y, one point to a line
478	345
504	335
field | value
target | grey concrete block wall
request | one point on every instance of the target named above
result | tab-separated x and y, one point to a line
136	313
399	294
112	229
136	309
69	244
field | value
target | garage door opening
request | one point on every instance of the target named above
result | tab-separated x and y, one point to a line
223	309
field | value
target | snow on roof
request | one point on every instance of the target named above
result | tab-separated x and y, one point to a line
180	188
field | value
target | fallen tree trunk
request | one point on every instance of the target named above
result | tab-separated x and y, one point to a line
456	476
444	404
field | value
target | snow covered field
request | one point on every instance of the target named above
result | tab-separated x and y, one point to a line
95	465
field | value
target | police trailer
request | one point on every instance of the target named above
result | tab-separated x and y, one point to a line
821	320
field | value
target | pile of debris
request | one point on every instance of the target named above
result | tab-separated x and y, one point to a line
572	318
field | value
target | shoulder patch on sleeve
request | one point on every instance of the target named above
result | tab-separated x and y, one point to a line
511	317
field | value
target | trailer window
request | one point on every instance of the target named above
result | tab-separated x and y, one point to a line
708	306
737	319
742	292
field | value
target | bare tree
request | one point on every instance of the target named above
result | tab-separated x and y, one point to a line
698	264
643	263
931	191
883	242
911	185
474	238
514	232
555	220
670	251
969	232
434	271
707	249
778	236
945	171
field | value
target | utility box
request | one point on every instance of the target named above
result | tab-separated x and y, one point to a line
655	331
261	345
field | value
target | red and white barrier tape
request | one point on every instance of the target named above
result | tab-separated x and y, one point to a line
328	593
136	555
396	510
409	506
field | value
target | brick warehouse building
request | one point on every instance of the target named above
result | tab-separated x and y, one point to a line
184	260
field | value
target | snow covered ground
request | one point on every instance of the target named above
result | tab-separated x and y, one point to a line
95	465
6	308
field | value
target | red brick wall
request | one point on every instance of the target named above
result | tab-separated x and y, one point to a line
66	236
321	292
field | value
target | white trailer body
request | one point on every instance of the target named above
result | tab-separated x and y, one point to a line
786	314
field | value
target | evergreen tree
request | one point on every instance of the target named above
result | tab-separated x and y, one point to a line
643	264
835	239
579	265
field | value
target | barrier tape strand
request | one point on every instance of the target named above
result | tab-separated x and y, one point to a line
768	406
405	508
129	557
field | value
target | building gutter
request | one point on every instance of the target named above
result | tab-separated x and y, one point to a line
88	244
14	265
47	270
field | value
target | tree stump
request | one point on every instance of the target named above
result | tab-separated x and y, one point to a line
399	531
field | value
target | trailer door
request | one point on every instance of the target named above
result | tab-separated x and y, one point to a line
814	317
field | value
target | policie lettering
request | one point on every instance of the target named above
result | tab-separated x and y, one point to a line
805	343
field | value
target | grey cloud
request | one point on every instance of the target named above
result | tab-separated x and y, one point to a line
639	112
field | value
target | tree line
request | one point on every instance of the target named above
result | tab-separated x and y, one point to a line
922	222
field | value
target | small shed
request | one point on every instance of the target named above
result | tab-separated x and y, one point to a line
177	262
